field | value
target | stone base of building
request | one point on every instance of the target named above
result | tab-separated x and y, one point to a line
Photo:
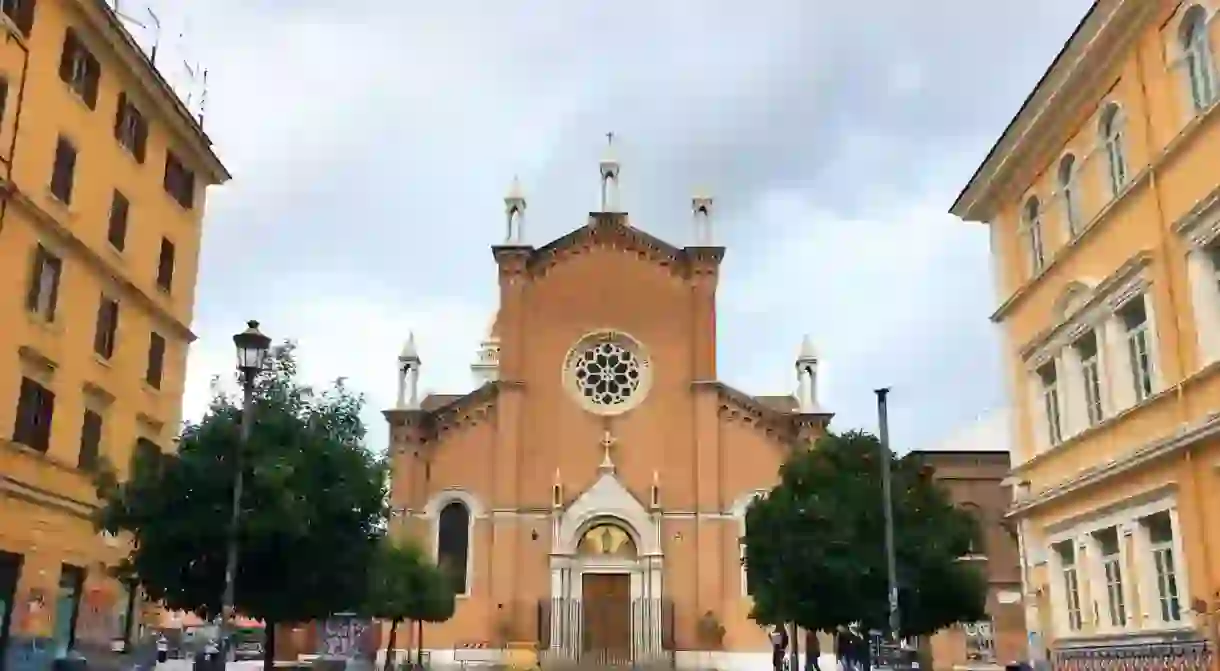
720	660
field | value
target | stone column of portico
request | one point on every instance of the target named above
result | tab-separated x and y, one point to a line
504	465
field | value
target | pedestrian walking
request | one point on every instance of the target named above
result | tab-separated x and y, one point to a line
813	650
779	647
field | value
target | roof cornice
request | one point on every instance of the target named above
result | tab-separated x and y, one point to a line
1082	63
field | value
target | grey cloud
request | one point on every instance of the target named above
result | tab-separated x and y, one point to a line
372	142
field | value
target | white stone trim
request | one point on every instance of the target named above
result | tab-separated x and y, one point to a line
1200	229
738	513
474	511
1125	283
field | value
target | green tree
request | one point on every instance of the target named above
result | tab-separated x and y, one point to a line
311	512
815	544
405	586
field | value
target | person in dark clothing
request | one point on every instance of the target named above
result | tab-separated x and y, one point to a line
813	650
779	647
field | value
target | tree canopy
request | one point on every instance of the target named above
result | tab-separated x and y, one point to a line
312	509
404	585
815	544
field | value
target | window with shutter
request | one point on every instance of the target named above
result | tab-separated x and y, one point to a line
107	327
116	232
179	182
79	69
21	13
63	174
156	360
42	295
90	441
35	410
165	266
130	128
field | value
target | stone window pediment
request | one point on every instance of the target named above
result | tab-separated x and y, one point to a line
1083	312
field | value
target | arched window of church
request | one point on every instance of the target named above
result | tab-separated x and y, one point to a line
453	543
976	543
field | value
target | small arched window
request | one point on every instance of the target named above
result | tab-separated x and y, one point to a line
1033	229
1067	188
976	543
453	544
1110	126
1197	58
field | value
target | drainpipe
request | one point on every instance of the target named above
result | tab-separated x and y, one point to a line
10	160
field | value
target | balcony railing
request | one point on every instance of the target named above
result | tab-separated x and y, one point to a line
1194	655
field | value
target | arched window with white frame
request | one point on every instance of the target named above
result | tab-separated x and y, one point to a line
1110	127
1069	193
1197	58
453	527
1032	220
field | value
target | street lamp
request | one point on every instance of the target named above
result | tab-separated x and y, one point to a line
252	347
888	507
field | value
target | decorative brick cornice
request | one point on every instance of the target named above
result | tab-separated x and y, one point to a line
611	230
420	427
784	428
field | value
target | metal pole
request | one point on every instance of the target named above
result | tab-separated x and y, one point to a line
887	492
228	605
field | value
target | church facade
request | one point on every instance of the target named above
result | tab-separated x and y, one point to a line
589	495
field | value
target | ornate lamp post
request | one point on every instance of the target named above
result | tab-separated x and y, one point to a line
252	347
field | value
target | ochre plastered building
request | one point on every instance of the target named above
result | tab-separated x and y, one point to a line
103	178
590	493
1103	202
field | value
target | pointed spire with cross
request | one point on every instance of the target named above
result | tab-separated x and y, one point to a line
607	442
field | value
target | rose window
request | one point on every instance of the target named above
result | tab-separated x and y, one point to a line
607	373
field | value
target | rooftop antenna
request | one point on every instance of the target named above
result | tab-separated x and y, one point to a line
156	42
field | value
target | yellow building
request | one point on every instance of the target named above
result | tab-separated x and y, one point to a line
104	173
1103	202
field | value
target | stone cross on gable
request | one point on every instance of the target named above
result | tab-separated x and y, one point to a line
607	442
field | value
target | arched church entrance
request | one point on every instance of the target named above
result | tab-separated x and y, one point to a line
606	603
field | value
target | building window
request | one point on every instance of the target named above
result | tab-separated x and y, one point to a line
20	12
1160	537
1033	229
1090	375
43	294
1071	584
35	410
1134	318
1048	377
79	69
179	182
1197	56
3	98
107	328
1111	127
147	454
131	128
63	174
165	266
1112	571
453	544
90	441
1067	189
156	360
116	231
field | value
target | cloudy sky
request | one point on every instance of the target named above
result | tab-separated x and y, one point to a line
373	140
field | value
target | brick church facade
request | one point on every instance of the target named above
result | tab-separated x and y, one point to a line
589	494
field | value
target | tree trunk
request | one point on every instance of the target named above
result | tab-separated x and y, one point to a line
419	641
795	651
409	643
269	646
389	646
